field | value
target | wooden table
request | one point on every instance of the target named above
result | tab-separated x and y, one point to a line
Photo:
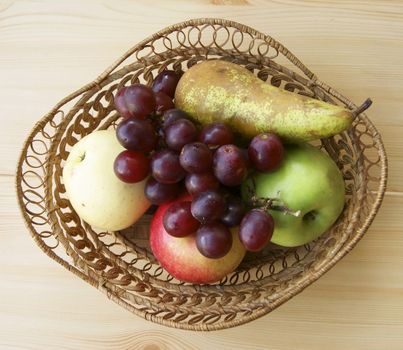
50	48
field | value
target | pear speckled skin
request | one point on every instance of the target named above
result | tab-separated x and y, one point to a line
216	90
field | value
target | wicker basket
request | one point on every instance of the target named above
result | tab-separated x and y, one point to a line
120	263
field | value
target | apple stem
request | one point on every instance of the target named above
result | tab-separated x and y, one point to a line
270	203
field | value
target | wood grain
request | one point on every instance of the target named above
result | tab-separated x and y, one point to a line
49	49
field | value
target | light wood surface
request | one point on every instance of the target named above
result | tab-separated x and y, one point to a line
50	48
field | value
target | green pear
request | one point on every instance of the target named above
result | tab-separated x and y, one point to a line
219	91
307	181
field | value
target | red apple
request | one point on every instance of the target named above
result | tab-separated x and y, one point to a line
181	258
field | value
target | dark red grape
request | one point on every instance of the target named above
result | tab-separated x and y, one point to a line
256	229
229	165
120	103
180	133
216	134
172	115
131	166
196	183
178	220
165	167
136	101
166	82
163	102
208	206
235	211
196	157
158	193
266	152
214	240
136	135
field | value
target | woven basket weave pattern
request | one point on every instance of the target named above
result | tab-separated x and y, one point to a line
120	264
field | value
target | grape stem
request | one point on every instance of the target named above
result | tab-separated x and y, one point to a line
269	203
273	204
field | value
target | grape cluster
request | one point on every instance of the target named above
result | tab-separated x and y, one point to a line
174	155
138	104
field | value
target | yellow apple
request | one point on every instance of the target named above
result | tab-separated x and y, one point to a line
94	191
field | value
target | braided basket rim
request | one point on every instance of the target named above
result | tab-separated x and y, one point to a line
307	280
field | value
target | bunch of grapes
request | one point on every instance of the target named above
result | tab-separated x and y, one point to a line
138	104
206	162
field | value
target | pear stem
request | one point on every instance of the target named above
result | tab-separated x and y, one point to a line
364	106
273	204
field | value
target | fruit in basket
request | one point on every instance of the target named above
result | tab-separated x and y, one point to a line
215	135
219	91
179	133
307	181
159	193
196	183
166	168
131	166
181	256
208	206
172	115
136	135
136	101
163	102
256	229
166	82
94	191
234	212
214	240
178	219
230	166
266	152
196	158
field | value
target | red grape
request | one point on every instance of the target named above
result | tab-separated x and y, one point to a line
172	115
131	166
180	133
216	134
136	101
214	240
165	167
178	220
120	103
266	152
136	135
208	206
230	166
256	229
158	193
196	183
166	82
235	211
163	102
196	158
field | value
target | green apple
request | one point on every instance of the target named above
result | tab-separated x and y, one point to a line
307	181
94	191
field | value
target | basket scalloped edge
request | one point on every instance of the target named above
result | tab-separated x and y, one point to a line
122	267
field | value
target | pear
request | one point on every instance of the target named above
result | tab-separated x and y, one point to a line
220	91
